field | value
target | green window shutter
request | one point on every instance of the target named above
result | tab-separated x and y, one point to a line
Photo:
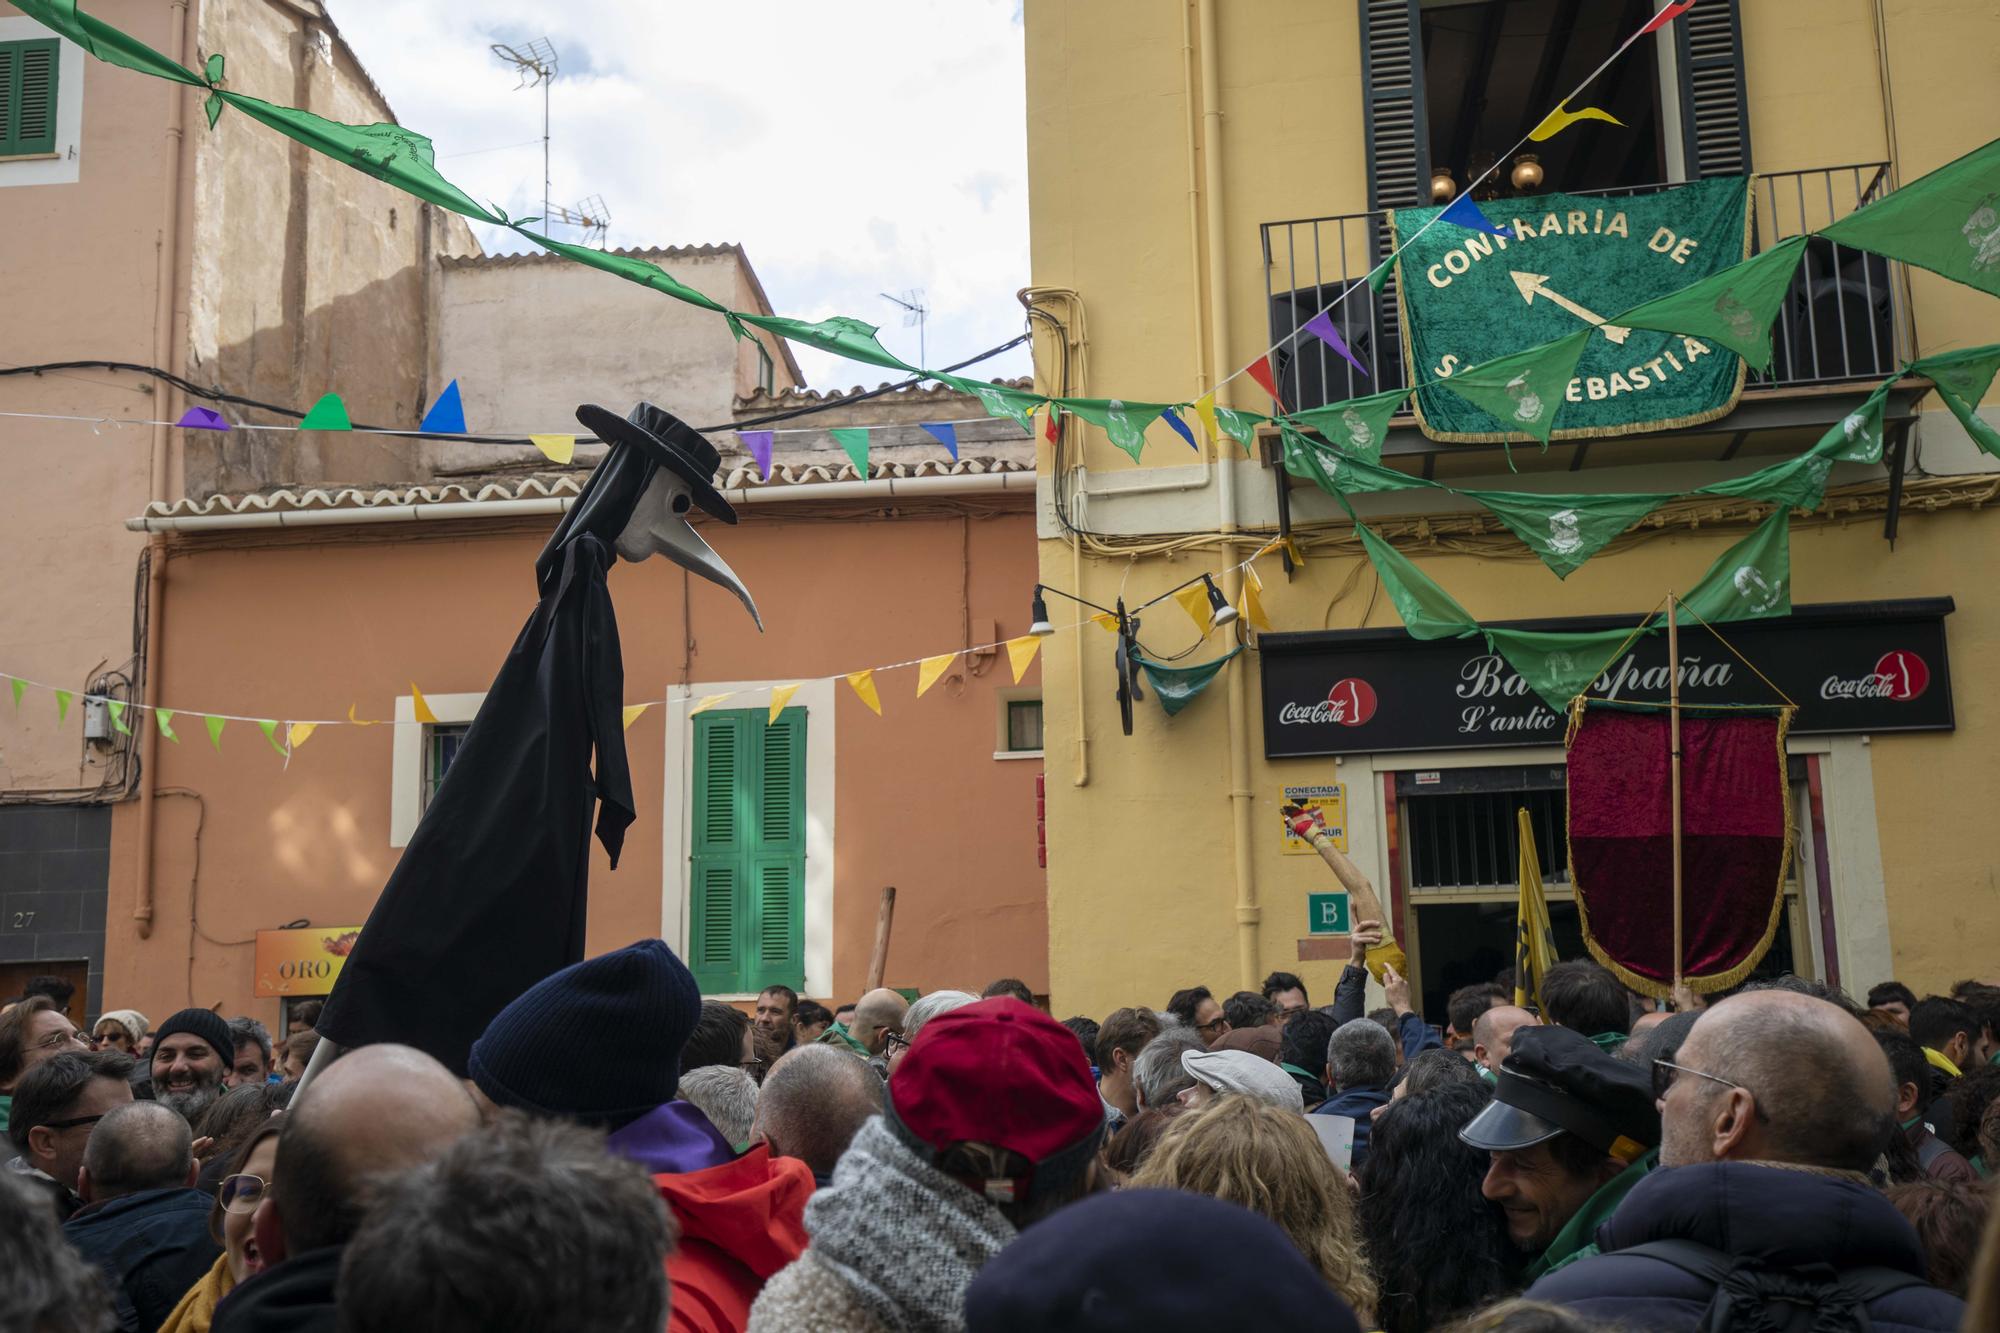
28	96
746	914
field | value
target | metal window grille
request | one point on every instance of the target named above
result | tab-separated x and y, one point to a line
1471	839
441	742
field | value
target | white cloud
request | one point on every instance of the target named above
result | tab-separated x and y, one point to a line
852	149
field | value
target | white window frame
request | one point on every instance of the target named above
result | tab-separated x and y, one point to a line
1014	694
63	164
406	757
818	698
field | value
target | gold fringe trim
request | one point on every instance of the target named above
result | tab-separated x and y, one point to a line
1701	418
1713	981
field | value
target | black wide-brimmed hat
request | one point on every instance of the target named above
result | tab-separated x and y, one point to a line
669	442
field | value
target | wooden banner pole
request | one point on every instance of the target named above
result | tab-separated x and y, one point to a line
1674	743
885	917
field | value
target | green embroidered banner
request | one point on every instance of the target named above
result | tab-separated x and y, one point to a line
1568	263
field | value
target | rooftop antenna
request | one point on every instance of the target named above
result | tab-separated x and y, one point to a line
914	311
592	216
536	63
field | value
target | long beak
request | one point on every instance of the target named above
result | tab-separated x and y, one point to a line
681	544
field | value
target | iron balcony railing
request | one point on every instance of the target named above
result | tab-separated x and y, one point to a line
1845	318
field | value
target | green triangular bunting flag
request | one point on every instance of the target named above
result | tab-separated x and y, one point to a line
1962	379
854	440
1558	667
1734	307
1338	473
1357	426
1122	422
1427	610
19	687
1797	483
62	706
1523	389
329	413
1566	530
1947	222
117	709
270	730
1177	687
164	717
999	400
1856	437
1239	426
215	726
1751	579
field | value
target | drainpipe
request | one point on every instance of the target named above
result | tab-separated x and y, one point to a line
171	351
1248	913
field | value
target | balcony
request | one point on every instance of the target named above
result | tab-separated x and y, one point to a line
1844	325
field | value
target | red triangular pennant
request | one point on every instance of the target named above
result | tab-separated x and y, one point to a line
1666	16
1260	370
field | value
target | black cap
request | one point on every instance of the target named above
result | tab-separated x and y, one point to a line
1556	1081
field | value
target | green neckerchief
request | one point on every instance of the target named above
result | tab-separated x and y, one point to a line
1994	1059
6	1109
1609	1042
1912	1122
837	1034
1492	1079
1578	1238
1979	1166
1298	1072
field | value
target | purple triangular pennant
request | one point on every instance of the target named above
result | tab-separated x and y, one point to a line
202	418
758	442
944	433
1322	326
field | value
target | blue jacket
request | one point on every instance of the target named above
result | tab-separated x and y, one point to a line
153	1245
1357	1104
1777	1217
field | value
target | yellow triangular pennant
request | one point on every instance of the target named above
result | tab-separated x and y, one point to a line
1250	575
1106	622
1562	118
930	669
1298	552
357	721
1204	407
298	733
1020	652
707	703
421	706
632	712
780	696
555	448
1252	606
1194	601
864	685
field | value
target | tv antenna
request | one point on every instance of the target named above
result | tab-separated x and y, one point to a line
592	216
914	312
536	64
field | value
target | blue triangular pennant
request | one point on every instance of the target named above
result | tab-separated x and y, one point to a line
1466	214
1180	428
944	433
447	414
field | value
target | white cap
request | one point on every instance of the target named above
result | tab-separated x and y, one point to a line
1250	1075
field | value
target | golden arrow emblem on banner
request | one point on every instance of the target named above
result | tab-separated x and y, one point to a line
1537	284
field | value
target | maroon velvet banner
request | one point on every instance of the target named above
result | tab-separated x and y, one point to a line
1735	843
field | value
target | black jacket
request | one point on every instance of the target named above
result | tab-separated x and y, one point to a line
296	1296
1782	1218
153	1245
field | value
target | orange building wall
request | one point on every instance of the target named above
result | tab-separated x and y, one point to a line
286	629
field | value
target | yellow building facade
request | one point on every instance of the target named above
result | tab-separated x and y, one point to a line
1206	174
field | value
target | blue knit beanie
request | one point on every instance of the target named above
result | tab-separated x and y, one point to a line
566	1046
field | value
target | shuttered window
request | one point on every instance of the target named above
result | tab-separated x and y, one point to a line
746	927
28	97
1715	120
1399	140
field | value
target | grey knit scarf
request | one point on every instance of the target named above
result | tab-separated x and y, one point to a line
905	1238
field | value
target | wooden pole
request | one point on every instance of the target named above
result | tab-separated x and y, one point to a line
1674	743
885	917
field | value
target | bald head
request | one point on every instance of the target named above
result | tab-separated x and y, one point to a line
1811	1086
138	1146
383	1108
877	1013
814	1101
1493	1033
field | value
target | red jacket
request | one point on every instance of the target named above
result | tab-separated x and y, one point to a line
740	1223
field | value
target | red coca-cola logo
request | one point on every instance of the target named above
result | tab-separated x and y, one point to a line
1352	700
1906	674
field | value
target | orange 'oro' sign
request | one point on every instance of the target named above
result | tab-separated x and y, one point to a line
302	962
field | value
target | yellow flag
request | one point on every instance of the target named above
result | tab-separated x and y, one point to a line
1021	652
707	703
1534	941
864	685
632	712
1252	577
1562	118
930	669
421	706
359	722
298	733
780	696
1298	552
1252	606
1204	407
1107	622
1194	601
555	448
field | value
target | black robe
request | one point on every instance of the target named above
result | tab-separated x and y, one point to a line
490	894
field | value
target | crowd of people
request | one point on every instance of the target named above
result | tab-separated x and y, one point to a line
627	1154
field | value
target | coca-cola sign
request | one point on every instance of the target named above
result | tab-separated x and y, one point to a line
1851	667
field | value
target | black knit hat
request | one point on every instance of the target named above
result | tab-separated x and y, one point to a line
203	1023
566	1047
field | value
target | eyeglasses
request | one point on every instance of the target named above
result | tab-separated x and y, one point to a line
752	1065
242	1194
1208	1028
55	1039
1663	1077
73	1122
893	1042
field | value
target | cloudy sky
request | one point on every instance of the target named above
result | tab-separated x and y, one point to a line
852	149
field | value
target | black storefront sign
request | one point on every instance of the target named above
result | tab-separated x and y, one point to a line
1850	666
